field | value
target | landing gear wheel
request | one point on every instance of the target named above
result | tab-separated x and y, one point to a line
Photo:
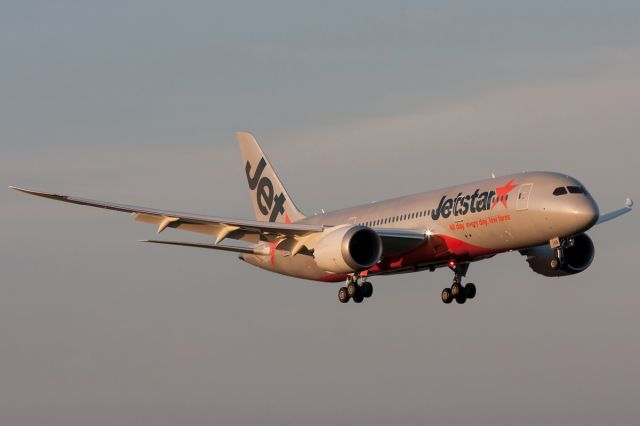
555	264
461	299
446	296
343	296
359	296
352	288
470	291
367	289
456	289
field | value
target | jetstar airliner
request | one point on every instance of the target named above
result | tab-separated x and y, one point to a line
543	215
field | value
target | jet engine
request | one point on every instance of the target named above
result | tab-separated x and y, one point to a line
347	249
576	258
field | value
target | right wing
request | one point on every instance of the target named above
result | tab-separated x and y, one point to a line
628	206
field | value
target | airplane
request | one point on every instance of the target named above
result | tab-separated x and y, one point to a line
543	215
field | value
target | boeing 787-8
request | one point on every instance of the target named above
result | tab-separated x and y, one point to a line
543	215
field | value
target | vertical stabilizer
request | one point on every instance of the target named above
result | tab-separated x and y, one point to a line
270	200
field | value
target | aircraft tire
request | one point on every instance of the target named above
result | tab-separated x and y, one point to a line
367	287
555	264
456	290
352	289
470	291
343	296
359	296
446	296
461	299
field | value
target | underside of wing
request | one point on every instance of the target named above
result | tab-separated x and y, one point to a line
397	241
235	249
219	227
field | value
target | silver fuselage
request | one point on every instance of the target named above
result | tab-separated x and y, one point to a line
475	220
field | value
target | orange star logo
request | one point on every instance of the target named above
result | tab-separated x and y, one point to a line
501	193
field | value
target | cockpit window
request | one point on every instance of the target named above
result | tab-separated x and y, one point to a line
575	189
561	190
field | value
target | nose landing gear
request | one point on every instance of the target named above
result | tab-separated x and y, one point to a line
559	245
458	292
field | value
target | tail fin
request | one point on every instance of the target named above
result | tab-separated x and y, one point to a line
270	200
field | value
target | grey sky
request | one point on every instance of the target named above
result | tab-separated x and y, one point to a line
353	101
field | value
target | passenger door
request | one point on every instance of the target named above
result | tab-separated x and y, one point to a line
523	196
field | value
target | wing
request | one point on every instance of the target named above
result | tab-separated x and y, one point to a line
616	213
235	249
397	241
289	236
219	227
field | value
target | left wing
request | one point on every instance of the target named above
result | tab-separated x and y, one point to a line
257	250
219	227
396	241
292	236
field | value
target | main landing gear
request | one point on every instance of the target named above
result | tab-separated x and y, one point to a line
458	292
355	291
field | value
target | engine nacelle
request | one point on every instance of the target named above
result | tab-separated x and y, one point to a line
576	258
349	248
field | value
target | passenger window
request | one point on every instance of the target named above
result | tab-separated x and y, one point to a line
575	189
561	190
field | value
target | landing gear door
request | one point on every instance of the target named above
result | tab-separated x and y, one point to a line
523	196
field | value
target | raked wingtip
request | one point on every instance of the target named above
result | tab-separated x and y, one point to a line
17	188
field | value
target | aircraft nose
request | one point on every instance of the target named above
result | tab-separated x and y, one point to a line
586	213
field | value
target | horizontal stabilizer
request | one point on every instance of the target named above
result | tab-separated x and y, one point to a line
235	249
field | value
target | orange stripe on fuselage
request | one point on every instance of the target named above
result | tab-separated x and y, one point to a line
439	248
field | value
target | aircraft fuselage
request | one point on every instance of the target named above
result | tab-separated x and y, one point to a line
463	223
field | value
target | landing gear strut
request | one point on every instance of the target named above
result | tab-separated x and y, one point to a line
559	245
458	292
354	290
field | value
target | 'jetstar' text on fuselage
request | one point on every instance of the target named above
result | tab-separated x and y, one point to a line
463	204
